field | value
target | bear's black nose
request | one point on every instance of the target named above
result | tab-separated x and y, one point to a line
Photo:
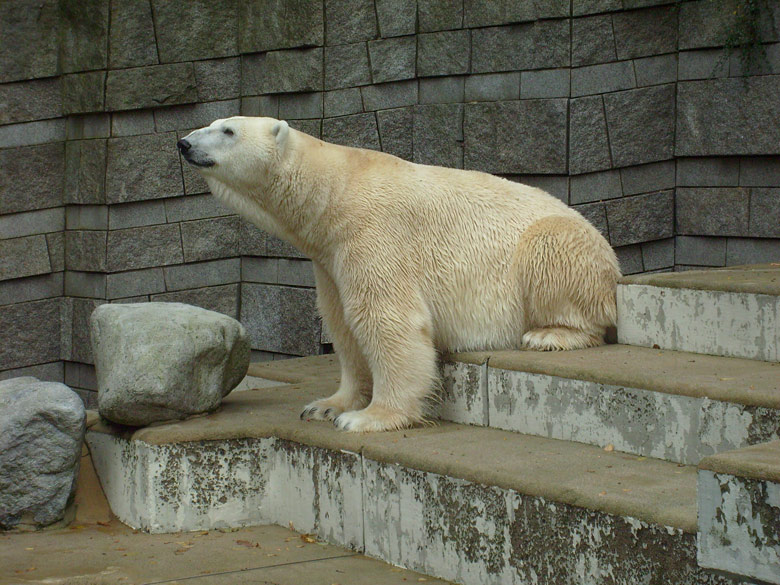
183	145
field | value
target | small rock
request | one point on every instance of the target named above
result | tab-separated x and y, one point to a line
162	361
41	433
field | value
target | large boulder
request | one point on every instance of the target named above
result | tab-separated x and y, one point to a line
162	361
41	432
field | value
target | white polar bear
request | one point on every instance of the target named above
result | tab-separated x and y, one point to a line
411	259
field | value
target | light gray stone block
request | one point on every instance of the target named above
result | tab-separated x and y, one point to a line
129	215
544	44
222	299
602	78
436	15
441	90
764	213
758	171
300	105
640	33
132	36
132	123
194	207
193	31
396	94
31	133
195	115
708	171
263	270
359	130
251	239
396	128
640	218
27	256
85	284
658	255
700	251
438	135
342	102
595	187
280	24
86	217
346	66
712	211
393	59
656	70
208	239
293	272
212	273
88	126
144	247
31	333
282	71
588	140
40	448
396	17
443	53
153	86
350	21
752	251
593	40
85	250
646	178
34	288
278	247
492	87
56	244
218	79
36	99
85	171
139	168
17	225
548	83
136	282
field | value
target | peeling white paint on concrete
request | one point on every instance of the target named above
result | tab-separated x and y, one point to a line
464	396
702	321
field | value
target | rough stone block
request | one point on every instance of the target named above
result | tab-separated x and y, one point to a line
30	100
549	83
294	272
84	35
350	21
88	126
641	218
346	66
646	178
728	116
263	270
132	123
630	259
278	247
52	372
142	167
712	211
702	64
266	25
708	172
658	255
700	251
282	71
251	239
492	87
75	321
359	130
31	177
395	94
437	136
588	142
195	115
708	23
31	333
31	27
763	171
85	250
640	33
656	70
768	63
194	207
393	59
491	131
56	243
195	30
596	214
212	273
130	215
478	13
443	53
20	257
33	288
436	15
583	7
218	79
441	90
752	251
30	133
149	87
161	361
593	40
137	282
342	102
264	105
41	433
602	78
221	299
764	213
91	285
310	127
281	318
132	41
396	128
78	375
300	105
33	222
396	17
85	168
641	125
208	239
595	187
544	44
83	92
144	247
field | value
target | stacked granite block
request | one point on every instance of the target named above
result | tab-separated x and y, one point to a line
630	111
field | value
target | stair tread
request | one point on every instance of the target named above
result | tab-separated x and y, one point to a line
753	279
756	462
650	490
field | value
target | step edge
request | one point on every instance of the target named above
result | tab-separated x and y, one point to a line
760	462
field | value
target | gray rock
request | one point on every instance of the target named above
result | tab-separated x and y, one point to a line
702	64
142	167
588	142
491	12
602	78
85	250
282	72
221	299
346	66
350	21
260	105
195	30
641	124
31	28
124	216
194	207
395	131
640	33
710	171
359	130
543	44
300	105
218	79
700	251
310	127
595	187
395	94
211	273
149	87
659	254
96	125
656	70
582	7
596	214
208	239
84	284
251	239
393	59
31	177
492	87
32	222
593	40
80	349
443	53
714	211
765	213
137	282
342	102
438	135
194	115
492	131
630	259
30	100
42	427
56	244
756	171
160	361
396	17
442	90
708	23
641	218
83	92
132	41
20	257
646	178
144	247
436	15
85	171
547	83
751	251
31	333
84	35
132	123
278	247
280	24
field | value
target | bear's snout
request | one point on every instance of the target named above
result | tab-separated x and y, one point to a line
183	145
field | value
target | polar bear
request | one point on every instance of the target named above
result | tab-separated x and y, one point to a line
410	260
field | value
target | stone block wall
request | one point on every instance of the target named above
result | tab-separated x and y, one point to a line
629	110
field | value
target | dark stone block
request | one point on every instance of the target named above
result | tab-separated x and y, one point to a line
756	171
31	177
700	251
31	333
393	59
20	257
751	251
346	66
251	239
640	33
709	172
543	44
595	187
300	105
279	248
148	87
187	31
85	170
218	79
708	23
555	185
396	128
641	124
209	239
582	7
56	243
630	259
443	53
83	92
492	131
266	25
135	283
547	83
222	299
442	90
436	15
142	167
478	13
131	40
395	94
646	178
359	130
310	127
607	77
88	126
493	87
765	213
30	100
211	273
31	28
588	142
728	116
658	255
703	64
712	211
282	72
641	218
343	102
263	105
84	41
34	288
596	214
194	115
592	40
656	70
350	21
85	250
281	318
437	137
396	17
144	247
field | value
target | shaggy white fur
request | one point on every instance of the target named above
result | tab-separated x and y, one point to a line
412	259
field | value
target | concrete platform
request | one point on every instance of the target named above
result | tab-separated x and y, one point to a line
730	312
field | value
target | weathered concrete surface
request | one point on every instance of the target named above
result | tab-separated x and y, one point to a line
464	393
759	279
739	512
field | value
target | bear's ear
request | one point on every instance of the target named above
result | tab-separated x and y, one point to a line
281	131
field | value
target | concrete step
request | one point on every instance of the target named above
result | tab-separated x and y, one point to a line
729	311
470	504
739	512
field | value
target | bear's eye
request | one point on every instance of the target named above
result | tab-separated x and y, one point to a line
228	131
